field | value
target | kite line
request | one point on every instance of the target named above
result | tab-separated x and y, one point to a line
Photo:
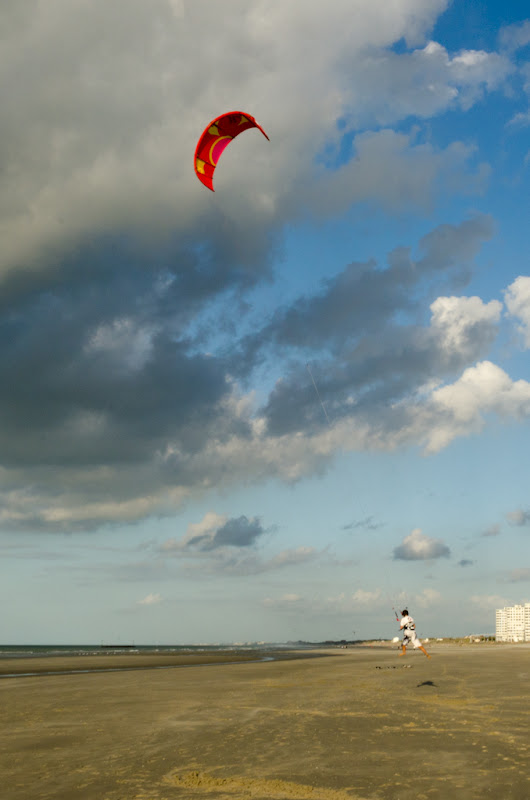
360	504
318	395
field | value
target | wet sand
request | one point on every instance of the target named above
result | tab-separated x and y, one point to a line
129	661
360	723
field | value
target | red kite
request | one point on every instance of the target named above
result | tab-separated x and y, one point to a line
216	136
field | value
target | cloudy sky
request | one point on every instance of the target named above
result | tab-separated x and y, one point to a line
277	410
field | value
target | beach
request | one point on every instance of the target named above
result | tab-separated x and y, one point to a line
354	723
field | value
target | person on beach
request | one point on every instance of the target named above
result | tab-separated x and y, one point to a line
409	634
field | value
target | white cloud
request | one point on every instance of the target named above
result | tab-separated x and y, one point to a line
72	508
458	409
489	600
518	517
427	598
287	602
520	120
419	547
348	603
150	600
217	532
297	555
206	528
517	299
463	324
365	597
513	37
424	82
485	386
345	603
492	530
520	575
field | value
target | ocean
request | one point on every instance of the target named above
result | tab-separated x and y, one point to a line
44	650
52	659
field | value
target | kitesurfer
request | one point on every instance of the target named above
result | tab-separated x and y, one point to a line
409	634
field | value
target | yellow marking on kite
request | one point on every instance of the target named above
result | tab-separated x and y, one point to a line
214	145
243	119
214	130
199	165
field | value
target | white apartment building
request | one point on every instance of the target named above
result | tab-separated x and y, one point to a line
512	623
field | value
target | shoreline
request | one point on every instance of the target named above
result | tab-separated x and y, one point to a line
128	661
53	665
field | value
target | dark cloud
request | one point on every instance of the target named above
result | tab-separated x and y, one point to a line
100	366
465	562
117	368
367	523
241	563
231	548
369	355
363	298
453	245
236	532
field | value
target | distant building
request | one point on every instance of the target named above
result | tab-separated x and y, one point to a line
512	623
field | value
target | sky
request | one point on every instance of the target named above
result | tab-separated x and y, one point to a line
280	410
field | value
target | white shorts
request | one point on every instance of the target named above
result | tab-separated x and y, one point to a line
411	638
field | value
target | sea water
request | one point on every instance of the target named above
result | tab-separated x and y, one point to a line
45	650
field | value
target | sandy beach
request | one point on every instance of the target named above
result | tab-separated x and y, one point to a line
357	723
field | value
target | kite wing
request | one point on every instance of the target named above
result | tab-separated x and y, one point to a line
216	136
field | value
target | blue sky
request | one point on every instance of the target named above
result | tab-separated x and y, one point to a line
167	471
